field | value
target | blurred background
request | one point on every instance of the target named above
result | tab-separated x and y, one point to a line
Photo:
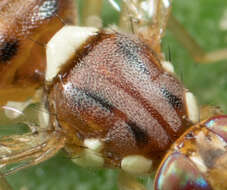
206	21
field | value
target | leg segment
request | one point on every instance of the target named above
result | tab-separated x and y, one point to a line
91	13
193	47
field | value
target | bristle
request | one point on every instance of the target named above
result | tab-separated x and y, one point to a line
60	19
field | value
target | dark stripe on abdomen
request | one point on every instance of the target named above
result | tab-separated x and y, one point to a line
172	99
141	136
100	100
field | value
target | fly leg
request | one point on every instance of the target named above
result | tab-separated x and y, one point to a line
195	50
91	13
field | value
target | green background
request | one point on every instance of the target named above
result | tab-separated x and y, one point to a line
208	82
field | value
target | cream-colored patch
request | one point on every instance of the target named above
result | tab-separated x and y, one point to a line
167	66
63	45
44	117
136	164
192	107
89	158
14	110
93	144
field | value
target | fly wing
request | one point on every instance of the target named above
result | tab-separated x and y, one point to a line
146	18
21	151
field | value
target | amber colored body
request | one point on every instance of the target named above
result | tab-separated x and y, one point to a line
198	159
115	90
23	33
114	102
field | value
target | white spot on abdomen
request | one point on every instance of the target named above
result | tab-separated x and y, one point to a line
136	164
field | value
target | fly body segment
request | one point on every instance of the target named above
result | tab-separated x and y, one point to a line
109	97
98	94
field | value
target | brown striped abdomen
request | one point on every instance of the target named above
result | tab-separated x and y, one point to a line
115	89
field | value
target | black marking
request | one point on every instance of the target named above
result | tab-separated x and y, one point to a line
105	103
82	97
140	135
8	50
172	99
130	51
190	135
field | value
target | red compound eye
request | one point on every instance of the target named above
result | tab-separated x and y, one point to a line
179	173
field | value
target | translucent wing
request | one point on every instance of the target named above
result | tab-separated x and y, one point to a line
30	146
146	18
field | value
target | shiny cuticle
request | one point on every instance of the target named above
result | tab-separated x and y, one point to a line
179	173
218	125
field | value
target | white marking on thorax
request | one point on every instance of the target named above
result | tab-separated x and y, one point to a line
63	45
